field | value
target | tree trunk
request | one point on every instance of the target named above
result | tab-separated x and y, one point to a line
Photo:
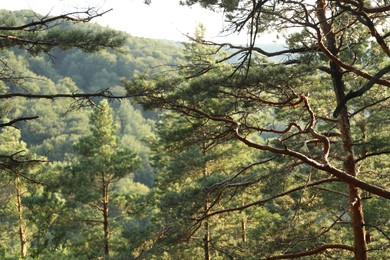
22	231
243	229
206	238
105	219
357	218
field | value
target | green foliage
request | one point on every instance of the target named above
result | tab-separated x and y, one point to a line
44	37
239	166
57	129
191	162
100	162
57	223
100	154
228	5
280	112
19	173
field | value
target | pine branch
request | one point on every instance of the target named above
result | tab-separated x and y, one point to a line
106	93
315	251
361	91
370	105
17	173
371	154
72	16
260	202
228	182
345	66
326	167
380	231
20	119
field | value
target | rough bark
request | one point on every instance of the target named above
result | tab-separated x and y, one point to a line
105	218
22	231
206	239
357	217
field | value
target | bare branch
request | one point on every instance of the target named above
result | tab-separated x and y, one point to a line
314	251
370	105
370	10
327	167
20	119
350	68
260	202
243	49
106	93
323	167
219	184
149	244
378	229
361	91
93	221
370	155
322	138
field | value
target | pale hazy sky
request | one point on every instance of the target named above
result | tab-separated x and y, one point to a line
163	19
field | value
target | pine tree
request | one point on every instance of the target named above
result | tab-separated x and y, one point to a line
19	169
324	95
101	162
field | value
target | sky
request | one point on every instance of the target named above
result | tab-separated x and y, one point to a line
162	19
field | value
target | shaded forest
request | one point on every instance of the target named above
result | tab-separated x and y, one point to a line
118	147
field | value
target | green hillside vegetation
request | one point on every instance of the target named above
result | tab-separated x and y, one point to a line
51	138
62	122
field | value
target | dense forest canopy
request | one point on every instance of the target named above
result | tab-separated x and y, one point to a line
327	134
47	93
238	152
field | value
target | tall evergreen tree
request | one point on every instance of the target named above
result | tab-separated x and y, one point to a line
18	172
100	163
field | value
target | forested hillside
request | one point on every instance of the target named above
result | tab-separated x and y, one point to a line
62	122
117	147
59	124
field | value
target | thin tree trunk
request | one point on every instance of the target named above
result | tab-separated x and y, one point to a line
22	231
206	239
357	218
243	229
105	218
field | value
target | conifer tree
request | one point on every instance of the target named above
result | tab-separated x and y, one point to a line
325	93
100	162
18	171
